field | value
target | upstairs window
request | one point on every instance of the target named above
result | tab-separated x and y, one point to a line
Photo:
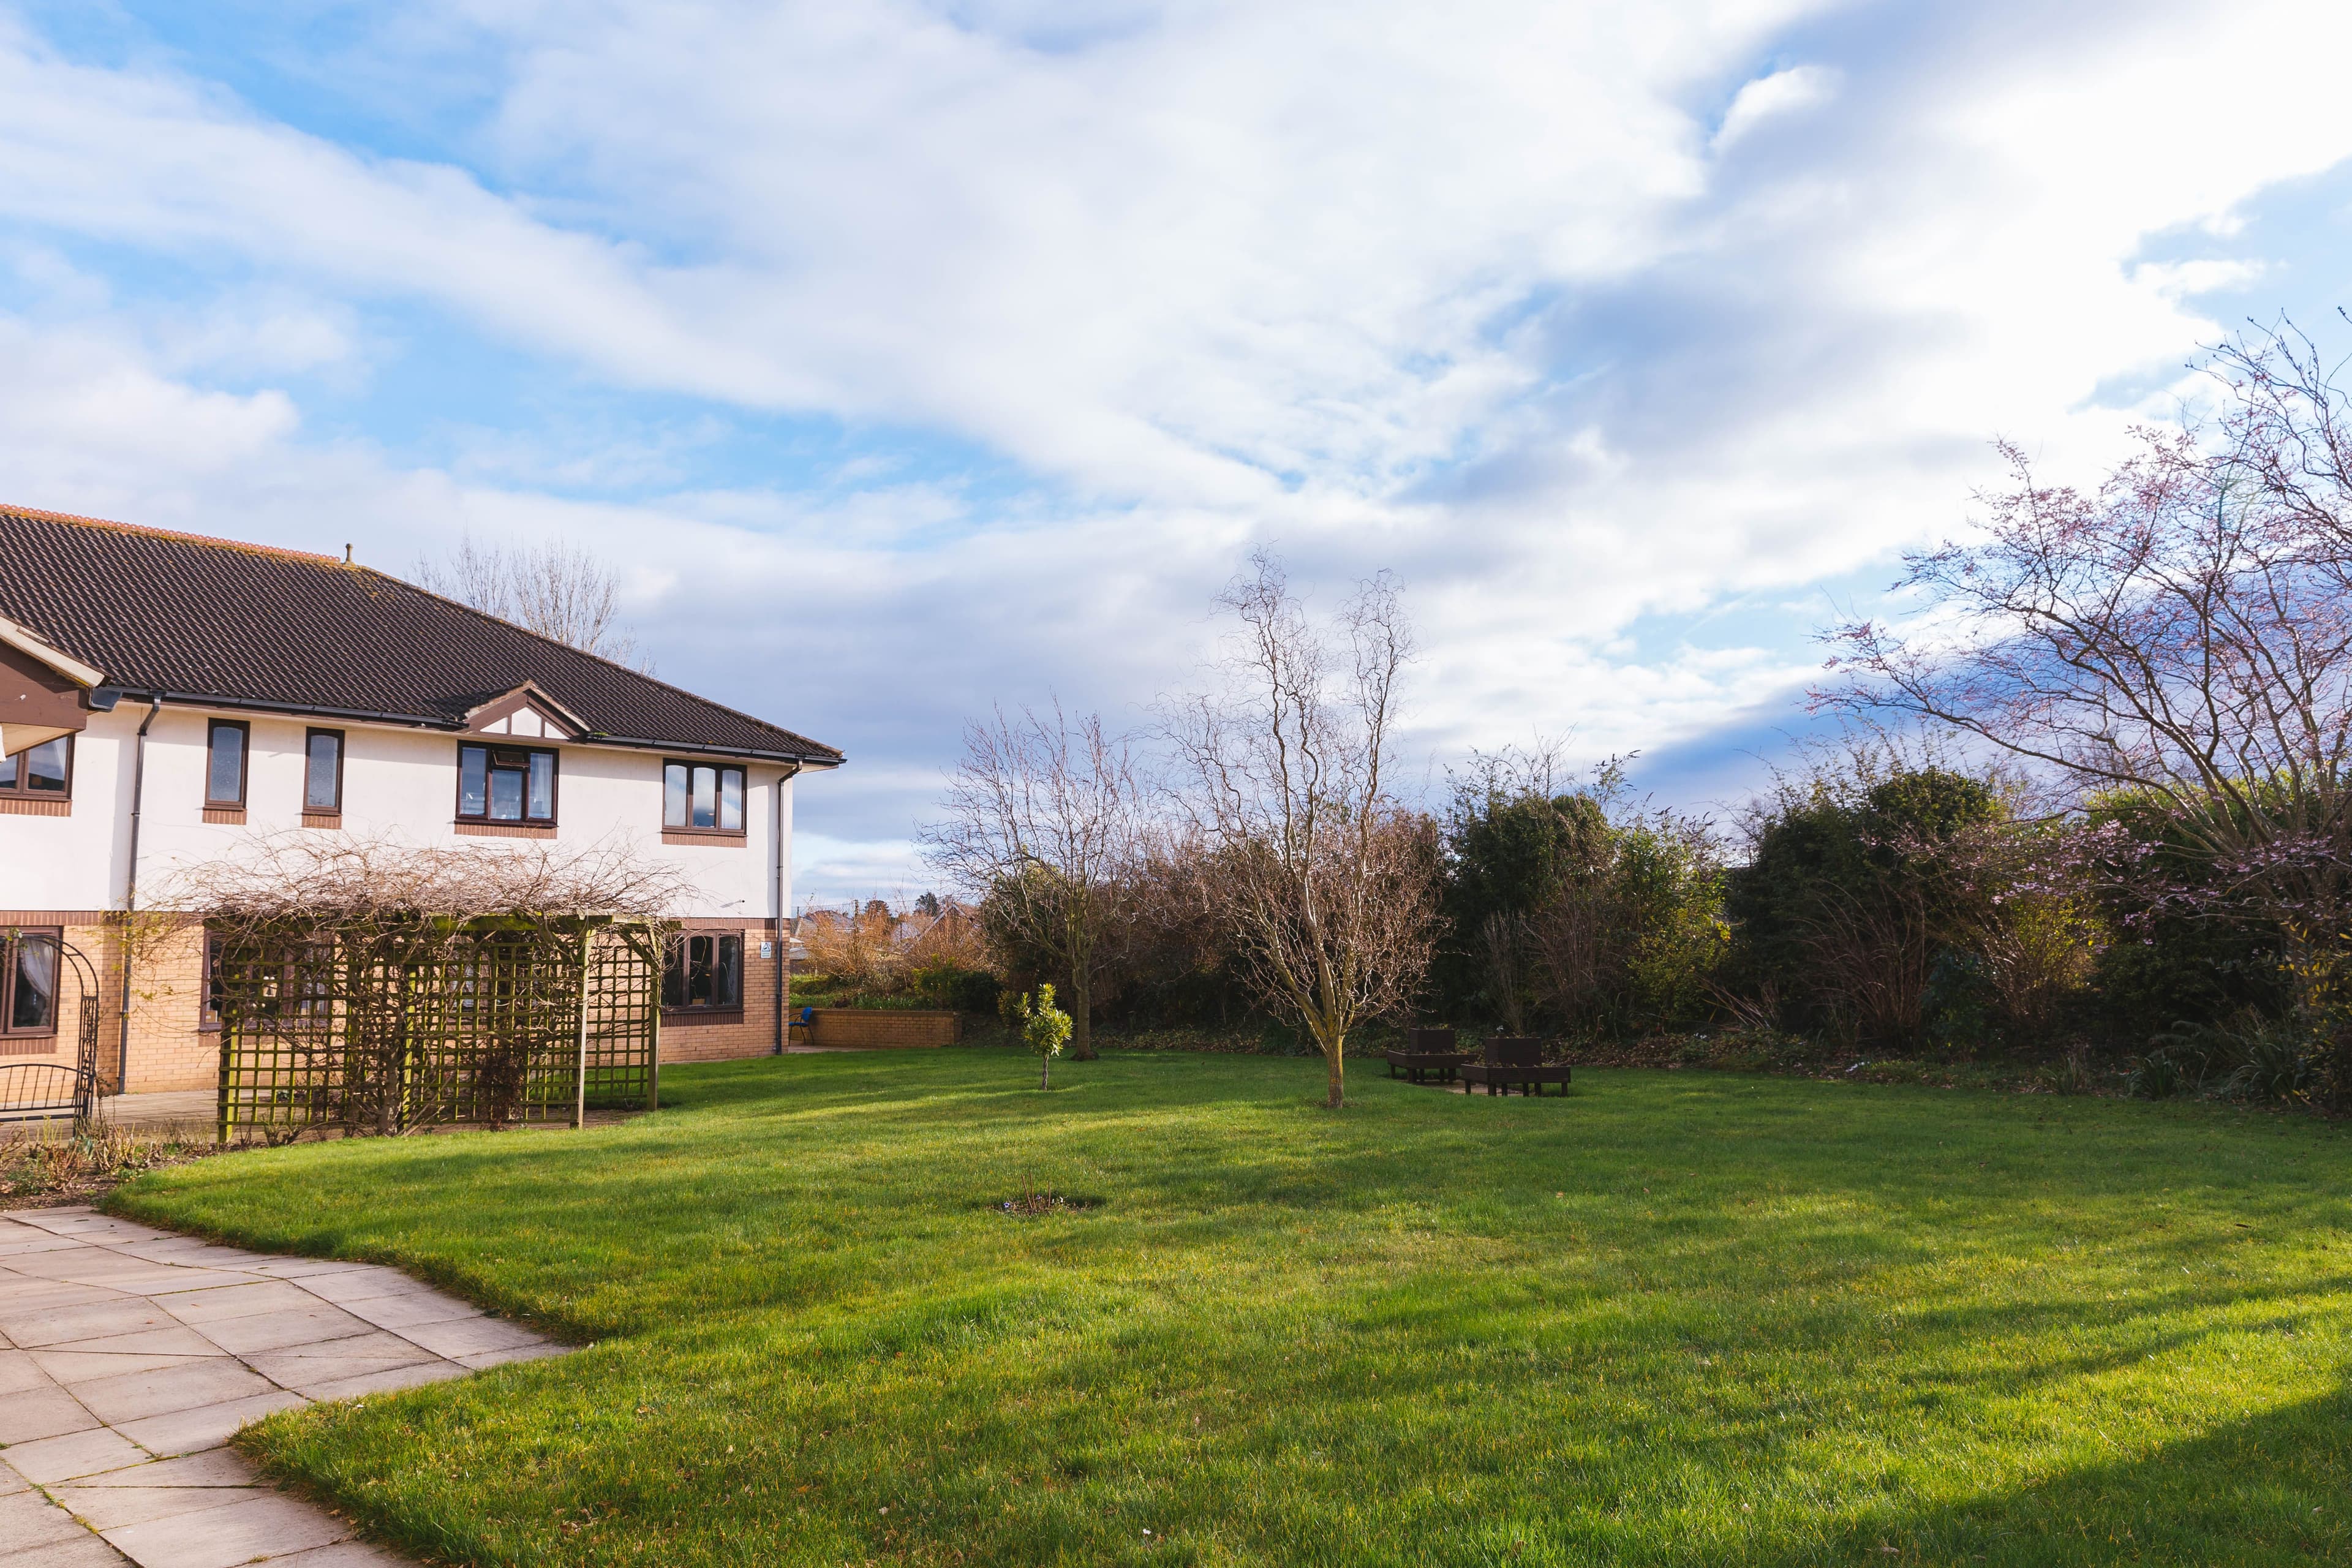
44	772
702	797
224	749
505	783
322	772
28	980
705	971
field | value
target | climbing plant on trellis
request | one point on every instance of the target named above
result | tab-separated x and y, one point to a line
374	988
494	1020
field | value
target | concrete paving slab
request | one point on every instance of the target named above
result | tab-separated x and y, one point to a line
311	1373
387	1382
362	1285
410	1309
278	1330
167	1279
25	1297
109	1508
258	1528
207	1425
130	1396
376	1342
213	1467
66	1368
75	1454
20	1372
68	1325
471	1336
306	1268
39	1412
150	1342
86	1550
238	1301
29	1519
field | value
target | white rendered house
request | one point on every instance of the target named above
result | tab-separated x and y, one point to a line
168	701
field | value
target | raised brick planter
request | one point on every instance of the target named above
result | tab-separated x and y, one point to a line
876	1028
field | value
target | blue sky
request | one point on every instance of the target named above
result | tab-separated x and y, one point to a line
911	358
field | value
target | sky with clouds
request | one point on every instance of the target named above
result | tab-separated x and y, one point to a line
909	358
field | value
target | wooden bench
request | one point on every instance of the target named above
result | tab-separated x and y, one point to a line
1427	1053
1515	1061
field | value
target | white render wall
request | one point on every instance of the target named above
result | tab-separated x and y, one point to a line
398	783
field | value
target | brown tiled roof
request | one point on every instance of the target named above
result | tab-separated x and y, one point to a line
213	620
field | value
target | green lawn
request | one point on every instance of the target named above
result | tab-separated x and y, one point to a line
1675	1318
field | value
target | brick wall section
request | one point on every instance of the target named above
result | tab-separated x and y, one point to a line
170	1046
875	1028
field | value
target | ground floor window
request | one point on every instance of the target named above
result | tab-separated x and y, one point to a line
28	980
705	970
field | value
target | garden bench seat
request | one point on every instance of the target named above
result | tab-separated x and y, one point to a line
1427	1053
1515	1061
36	1090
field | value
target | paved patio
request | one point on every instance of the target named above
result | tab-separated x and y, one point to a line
128	1356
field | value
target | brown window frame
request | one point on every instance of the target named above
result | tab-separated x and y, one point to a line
673	830
484	819
244	762
342	746
676	958
18	767
9	937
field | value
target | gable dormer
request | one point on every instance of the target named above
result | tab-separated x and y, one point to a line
526	712
43	691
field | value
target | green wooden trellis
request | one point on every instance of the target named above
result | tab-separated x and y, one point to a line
421	1022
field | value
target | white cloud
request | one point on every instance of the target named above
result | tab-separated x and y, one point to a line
1784	93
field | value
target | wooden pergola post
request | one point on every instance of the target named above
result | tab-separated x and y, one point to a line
653	1045
579	1072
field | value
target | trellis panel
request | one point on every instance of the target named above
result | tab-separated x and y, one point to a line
421	1025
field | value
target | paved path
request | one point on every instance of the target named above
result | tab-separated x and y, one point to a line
129	1356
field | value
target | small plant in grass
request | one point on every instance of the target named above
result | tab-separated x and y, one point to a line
1046	1026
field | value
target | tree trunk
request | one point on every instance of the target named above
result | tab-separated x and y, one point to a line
1045	1071
1082	1016
1333	1052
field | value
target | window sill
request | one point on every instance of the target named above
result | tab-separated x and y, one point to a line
692	1017
322	819
717	837
231	815
29	1045
470	828
13	805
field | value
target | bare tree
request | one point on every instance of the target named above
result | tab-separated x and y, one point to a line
1043	821
2169	634
559	591
1328	885
2184	632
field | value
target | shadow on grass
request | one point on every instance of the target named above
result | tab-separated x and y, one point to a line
2275	1488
